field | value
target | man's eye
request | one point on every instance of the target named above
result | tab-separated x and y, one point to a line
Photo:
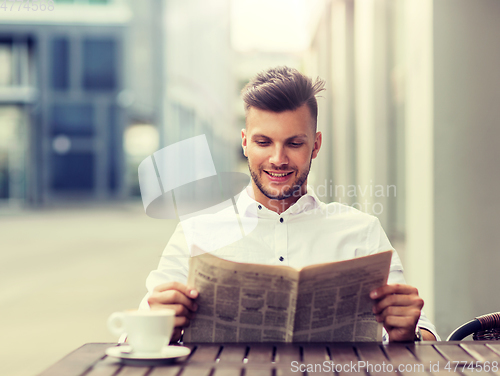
262	143
296	144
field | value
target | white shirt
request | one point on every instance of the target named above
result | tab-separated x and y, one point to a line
308	232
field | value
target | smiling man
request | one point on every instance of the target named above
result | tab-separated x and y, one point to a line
280	147
294	227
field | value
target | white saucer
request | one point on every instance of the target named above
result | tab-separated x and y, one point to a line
168	352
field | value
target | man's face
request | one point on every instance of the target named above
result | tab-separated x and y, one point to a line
280	148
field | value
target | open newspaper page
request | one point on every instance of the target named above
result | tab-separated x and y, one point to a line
333	301
241	302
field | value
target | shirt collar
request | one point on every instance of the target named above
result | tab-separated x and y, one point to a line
248	207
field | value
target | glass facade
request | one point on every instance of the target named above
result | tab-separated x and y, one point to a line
74	172
85	68
74	119
67	136
60	63
99	64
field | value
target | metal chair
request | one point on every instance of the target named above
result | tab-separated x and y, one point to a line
482	328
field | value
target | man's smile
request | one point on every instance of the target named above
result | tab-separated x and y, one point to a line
277	177
277	174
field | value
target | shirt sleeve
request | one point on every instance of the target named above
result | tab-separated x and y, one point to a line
173	265
378	242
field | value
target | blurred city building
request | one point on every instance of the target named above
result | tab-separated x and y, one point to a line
79	99
62	74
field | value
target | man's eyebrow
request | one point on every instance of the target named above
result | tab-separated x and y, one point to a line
259	135
303	135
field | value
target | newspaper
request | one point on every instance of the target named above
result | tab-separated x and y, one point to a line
240	302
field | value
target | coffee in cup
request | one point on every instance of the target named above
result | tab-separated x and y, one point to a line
147	331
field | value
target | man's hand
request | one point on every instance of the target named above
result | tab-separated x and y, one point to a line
176	296
398	307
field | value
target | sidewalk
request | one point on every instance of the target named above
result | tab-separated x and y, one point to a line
64	271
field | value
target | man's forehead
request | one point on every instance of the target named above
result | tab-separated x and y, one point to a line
288	137
264	121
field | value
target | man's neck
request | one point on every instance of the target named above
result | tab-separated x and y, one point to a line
278	206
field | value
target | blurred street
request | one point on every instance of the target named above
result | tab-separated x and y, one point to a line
64	271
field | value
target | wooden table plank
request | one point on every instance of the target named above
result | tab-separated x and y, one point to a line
426	353
469	371
260	354
398	353
350	372
473	373
79	361
376	360
343	353
166	371
344	359
287	354
256	372
109	366
134	371
232	353
315	354
371	352
480	351
231	371
415	371
454	353
287	372
199	371
400	356
205	353
495	347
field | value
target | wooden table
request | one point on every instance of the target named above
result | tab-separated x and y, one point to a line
428	358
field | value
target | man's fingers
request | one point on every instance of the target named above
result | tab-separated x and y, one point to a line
172	297
181	322
398	300
398	311
179	309
402	322
393	289
186	290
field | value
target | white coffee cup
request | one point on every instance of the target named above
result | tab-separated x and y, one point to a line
147	331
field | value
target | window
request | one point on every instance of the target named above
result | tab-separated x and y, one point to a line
99	64
73	119
73	171
60	63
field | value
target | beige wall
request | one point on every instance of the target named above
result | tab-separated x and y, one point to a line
431	69
467	156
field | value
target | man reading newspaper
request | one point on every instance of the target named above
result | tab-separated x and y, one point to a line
294	227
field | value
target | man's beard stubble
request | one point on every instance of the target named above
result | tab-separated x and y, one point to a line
288	191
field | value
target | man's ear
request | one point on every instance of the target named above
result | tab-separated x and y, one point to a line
244	141
317	144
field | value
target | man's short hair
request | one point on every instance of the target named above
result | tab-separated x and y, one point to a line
282	89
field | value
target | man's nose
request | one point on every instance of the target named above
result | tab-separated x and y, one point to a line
279	157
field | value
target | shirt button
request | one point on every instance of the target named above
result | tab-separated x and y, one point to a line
281	220
281	258
260	207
